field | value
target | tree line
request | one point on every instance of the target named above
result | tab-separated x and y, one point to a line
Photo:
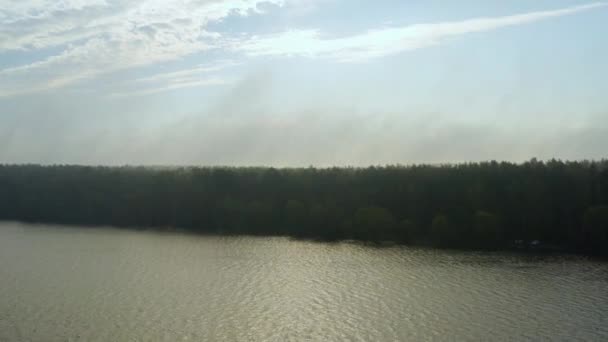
469	205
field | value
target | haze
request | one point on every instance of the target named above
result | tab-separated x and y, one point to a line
295	83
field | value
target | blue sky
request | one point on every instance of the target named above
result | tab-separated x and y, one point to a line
296	82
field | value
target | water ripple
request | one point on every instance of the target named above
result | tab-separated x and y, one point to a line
67	284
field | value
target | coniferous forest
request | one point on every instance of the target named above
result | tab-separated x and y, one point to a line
488	205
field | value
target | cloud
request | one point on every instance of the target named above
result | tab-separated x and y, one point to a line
36	24
99	37
387	41
199	76
245	128
299	139
187	74
175	84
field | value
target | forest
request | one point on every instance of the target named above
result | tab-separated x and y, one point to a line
488	205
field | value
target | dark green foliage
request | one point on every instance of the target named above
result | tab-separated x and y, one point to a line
486	229
595	225
296	215
480	205
408	231
373	223
441	232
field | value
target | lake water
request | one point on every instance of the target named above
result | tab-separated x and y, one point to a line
83	284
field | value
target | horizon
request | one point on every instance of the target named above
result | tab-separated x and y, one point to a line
318	167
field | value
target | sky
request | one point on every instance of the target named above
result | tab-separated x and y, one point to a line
302	82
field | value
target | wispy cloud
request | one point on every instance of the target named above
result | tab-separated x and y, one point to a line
187	74
199	76
189	83
387	41
100	36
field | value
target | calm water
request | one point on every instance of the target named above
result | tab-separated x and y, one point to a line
69	284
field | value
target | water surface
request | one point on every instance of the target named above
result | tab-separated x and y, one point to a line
84	284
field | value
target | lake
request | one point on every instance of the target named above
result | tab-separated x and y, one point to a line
100	284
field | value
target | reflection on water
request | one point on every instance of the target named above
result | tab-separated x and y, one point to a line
83	284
